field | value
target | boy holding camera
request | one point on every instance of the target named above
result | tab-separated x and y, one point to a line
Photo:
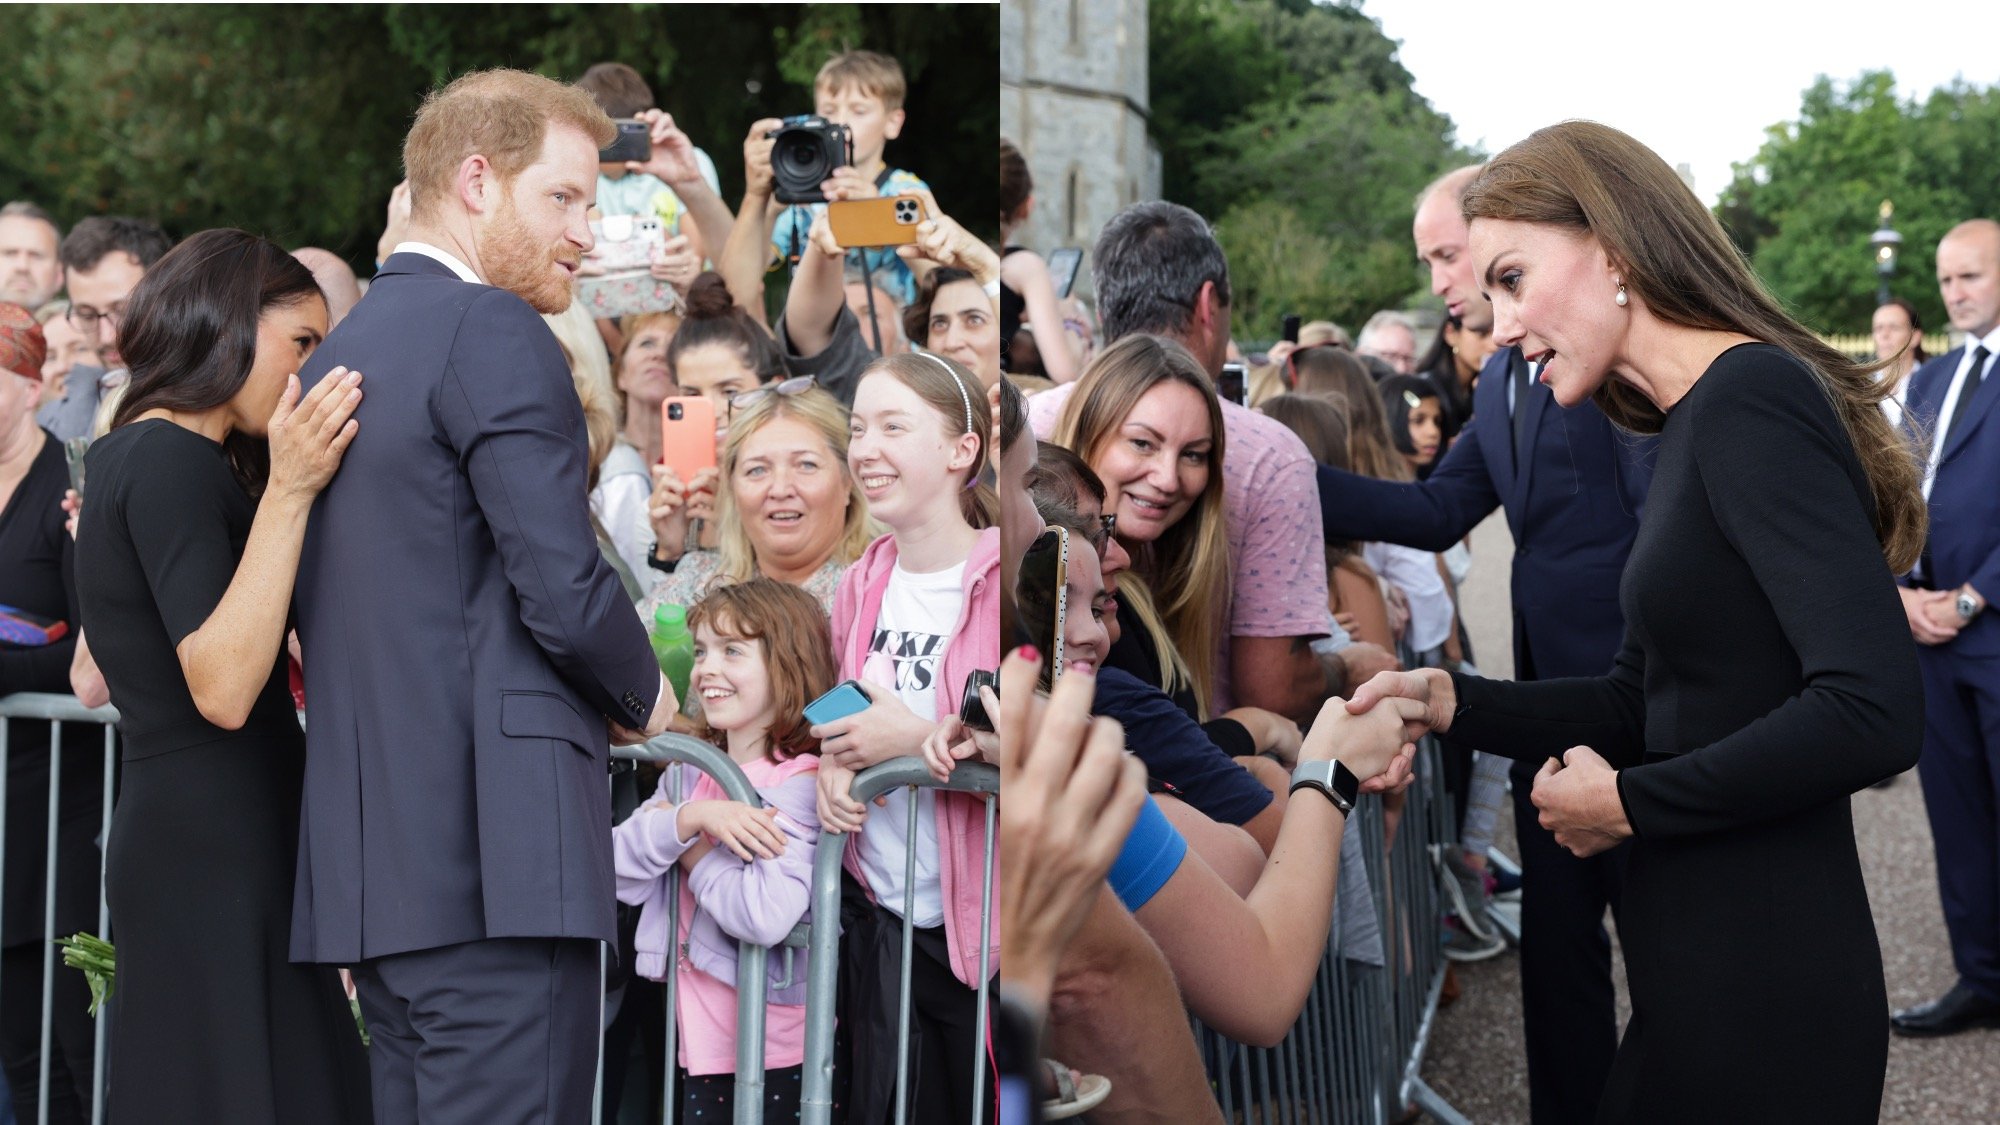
863	91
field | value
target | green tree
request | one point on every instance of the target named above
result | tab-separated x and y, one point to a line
288	120
1804	206
1303	140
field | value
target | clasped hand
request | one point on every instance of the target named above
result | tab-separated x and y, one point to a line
1578	799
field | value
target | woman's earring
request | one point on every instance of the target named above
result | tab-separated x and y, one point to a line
1621	298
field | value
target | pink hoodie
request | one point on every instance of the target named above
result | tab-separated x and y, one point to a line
975	643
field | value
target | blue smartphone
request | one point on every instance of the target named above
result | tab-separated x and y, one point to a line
845	699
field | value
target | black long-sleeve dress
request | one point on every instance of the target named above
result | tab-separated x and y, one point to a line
1767	674
211	1021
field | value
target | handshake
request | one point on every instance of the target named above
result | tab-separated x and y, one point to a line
1374	733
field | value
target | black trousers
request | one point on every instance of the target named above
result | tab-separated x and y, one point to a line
72	1043
490	1032
1960	772
1568	1006
710	1099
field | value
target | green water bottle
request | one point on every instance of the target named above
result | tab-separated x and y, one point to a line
673	647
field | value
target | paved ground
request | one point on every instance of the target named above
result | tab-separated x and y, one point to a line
1476	1061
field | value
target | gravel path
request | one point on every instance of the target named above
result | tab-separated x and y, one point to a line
1476	1060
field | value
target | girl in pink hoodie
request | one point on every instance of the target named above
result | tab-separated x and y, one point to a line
917	613
762	652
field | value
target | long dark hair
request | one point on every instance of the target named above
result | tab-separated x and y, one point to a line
1917	354
1674	256
190	335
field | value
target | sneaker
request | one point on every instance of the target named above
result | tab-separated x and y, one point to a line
1461	944
1502	883
1464	891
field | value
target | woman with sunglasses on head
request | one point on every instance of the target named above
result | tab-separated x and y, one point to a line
789	508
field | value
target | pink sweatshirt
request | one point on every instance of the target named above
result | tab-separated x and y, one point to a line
974	644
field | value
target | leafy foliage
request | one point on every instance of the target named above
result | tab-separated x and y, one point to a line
288	120
1294	128
1804	207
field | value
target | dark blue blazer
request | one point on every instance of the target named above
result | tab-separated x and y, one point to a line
463	638
1964	543
1573	509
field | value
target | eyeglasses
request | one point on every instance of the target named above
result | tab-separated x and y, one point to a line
797	385
1102	540
83	318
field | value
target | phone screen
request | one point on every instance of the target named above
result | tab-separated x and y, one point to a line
1234	384
1063	264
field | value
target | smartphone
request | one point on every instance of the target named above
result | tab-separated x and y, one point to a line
634	142
1063	264
1043	593
971	708
884	221
1234	384
687	435
845	699
1291	328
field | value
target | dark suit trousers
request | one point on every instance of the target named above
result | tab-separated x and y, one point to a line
1960	772
1569	1011
496	1032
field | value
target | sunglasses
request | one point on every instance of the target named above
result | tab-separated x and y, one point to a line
797	385
1044	584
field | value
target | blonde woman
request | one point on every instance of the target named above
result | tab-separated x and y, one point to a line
790	510
1148	423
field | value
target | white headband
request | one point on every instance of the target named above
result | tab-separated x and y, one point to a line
960	384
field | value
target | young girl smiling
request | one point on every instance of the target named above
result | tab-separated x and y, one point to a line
762	652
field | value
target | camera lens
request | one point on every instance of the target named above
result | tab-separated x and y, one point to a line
674	411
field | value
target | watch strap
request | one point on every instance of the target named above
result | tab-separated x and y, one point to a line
1333	780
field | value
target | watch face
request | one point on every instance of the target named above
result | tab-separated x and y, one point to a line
1966	606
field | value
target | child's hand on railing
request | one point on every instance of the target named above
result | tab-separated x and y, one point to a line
752	834
952	742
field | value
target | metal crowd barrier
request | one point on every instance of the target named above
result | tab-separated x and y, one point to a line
59	710
751	980
1357	1050
822	980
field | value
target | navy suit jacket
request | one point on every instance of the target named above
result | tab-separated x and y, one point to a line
1573	508
1965	496
463	638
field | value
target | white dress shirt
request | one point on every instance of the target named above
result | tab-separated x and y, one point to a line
463	271
1991	342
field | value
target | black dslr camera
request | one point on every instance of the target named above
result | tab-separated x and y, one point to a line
805	152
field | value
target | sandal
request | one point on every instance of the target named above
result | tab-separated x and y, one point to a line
1073	1096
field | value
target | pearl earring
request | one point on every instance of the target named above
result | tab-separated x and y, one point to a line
1621	298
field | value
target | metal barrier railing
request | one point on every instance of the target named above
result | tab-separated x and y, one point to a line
59	710
822	980
751	979
1356	1052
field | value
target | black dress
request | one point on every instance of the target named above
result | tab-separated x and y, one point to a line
36	575
212	1022
1767	674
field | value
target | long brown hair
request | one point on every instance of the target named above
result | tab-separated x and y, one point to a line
1340	374
1673	255
1186	570
798	653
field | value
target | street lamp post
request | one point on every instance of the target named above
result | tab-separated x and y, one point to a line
1886	242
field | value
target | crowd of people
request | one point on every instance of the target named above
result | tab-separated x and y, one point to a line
369	569
375	572
1237	591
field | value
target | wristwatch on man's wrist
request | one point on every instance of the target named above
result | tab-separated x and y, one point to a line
1968	605
1330	779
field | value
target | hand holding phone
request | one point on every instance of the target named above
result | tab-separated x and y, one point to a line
882	221
674	503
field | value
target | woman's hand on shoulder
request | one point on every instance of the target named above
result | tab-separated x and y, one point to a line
310	435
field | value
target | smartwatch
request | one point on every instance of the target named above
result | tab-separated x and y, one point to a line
1332	780
1967	605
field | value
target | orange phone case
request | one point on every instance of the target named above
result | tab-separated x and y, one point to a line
687	435
887	221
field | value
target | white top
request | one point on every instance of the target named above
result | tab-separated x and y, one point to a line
463	271
919	612
621	502
1415	572
1991	342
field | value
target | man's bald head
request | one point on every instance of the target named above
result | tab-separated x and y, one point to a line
1440	233
335	278
1968	264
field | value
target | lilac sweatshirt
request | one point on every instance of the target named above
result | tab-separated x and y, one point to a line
758	902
